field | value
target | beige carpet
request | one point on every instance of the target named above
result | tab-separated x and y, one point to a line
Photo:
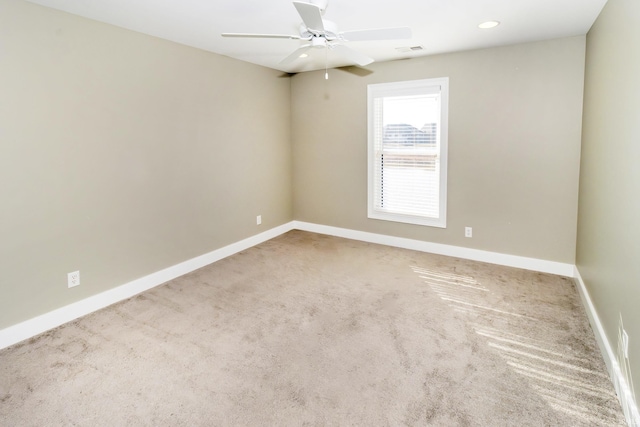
311	330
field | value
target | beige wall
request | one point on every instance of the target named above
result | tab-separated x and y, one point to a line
123	154
608	249
514	147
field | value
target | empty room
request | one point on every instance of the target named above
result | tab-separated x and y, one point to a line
286	213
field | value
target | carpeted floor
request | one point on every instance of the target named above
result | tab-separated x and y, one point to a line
311	330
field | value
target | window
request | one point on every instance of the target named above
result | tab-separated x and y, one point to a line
408	151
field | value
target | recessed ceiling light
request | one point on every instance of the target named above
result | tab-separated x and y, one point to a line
489	24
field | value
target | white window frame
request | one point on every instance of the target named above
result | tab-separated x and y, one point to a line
412	87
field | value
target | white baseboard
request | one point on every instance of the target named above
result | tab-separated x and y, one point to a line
37	325
32	327
629	406
440	249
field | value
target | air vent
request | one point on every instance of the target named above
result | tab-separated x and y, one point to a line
409	48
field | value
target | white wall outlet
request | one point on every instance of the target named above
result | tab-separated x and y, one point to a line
625	344
73	279
468	232
259	220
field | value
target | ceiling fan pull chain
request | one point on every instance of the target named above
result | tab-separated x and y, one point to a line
326	63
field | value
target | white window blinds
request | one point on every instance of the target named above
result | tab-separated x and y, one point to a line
407	151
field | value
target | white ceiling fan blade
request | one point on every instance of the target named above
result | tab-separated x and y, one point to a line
310	14
378	34
296	54
262	36
352	55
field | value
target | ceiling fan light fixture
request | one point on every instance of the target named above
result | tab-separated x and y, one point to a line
489	24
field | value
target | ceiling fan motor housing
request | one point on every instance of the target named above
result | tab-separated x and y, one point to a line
330	32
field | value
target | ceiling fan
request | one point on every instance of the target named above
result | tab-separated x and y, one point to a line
322	33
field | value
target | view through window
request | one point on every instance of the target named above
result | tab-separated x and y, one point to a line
407	151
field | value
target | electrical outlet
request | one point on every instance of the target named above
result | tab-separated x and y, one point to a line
468	232
259	220
73	279
625	344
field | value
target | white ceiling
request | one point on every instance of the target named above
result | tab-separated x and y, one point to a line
438	25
